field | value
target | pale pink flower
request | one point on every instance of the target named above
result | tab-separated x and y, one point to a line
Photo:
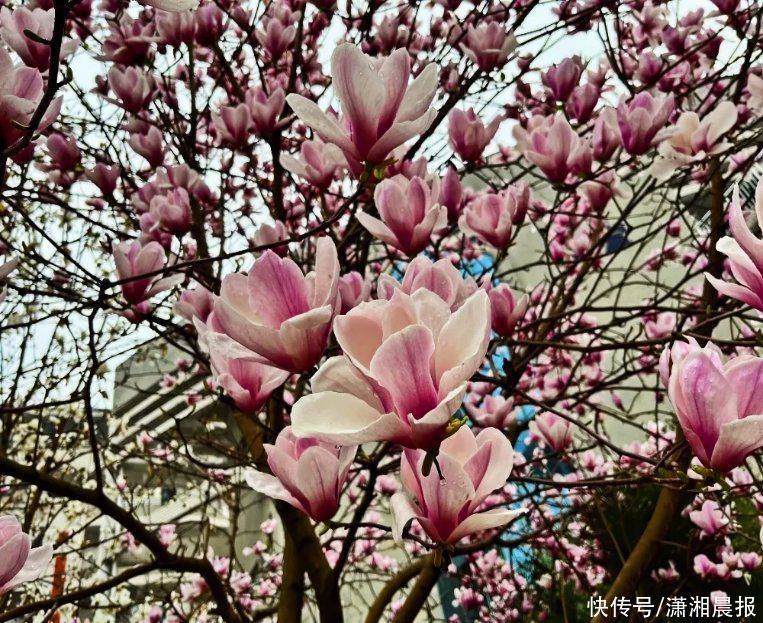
175	29
319	162
277	312
494	411
173	6
440	277
404	373
745	255
488	45
265	109
172	211
553	430
19	561
408	212
469	135
710	519
755	88
491	216
233	124
13	26
719	406
133	87
270	234
381	111
308	474
248	383
694	140
149	145
195	302
445	502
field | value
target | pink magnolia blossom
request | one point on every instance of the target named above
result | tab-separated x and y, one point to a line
408	211
468	135
710	519
209	24
554	431
195	302
606	135
105	177
133	87
440	277
14	23
672	355
561	79
451	193
133	260
404	372
494	411
640	118
582	102
381	111
308	474
63	151
265	109
445	503
233	124
491	216
21	89
175	29
19	561
745	255
277	312
270	234
172	211
275	36
554	147
488	45
693	140
149	145
173	6
353	289
719	406
505	310
248	383
318	164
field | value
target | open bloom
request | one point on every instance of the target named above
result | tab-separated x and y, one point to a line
693	140
641	118
710	519
19	561
409	213
308	474
719	406
133	260
248	383
440	277
380	110
404	372
469	135
745	253
13	26
21	89
495	411
446	502
195	303
277	312
554	431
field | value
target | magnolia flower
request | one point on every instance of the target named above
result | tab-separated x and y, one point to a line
409	213
445	502
554	431
13	27
561	79
710	519
745	253
173	6
404	372
468	135
265	109
719	406
21	89
495	411
641	118
195	303
505	310
172	211
440	277
381	111
353	289
277	312
318	164
490	216
248	383
233	124
488	45
135	262
308	474
19	561
693	140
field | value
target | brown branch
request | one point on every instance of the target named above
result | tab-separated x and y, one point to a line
394	584
419	594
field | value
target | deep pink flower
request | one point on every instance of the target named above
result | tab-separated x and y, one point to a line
265	109
408	211
491	216
14	23
505	310
404	372
640	118
380	110
233	124
19	561
488	45
172	211
175	29
719	406
554	147
468	135
133	87
134	260
445	502
149	145
279	313
353	290
104	177
308	474
195	302
561	79
451	193
710	519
